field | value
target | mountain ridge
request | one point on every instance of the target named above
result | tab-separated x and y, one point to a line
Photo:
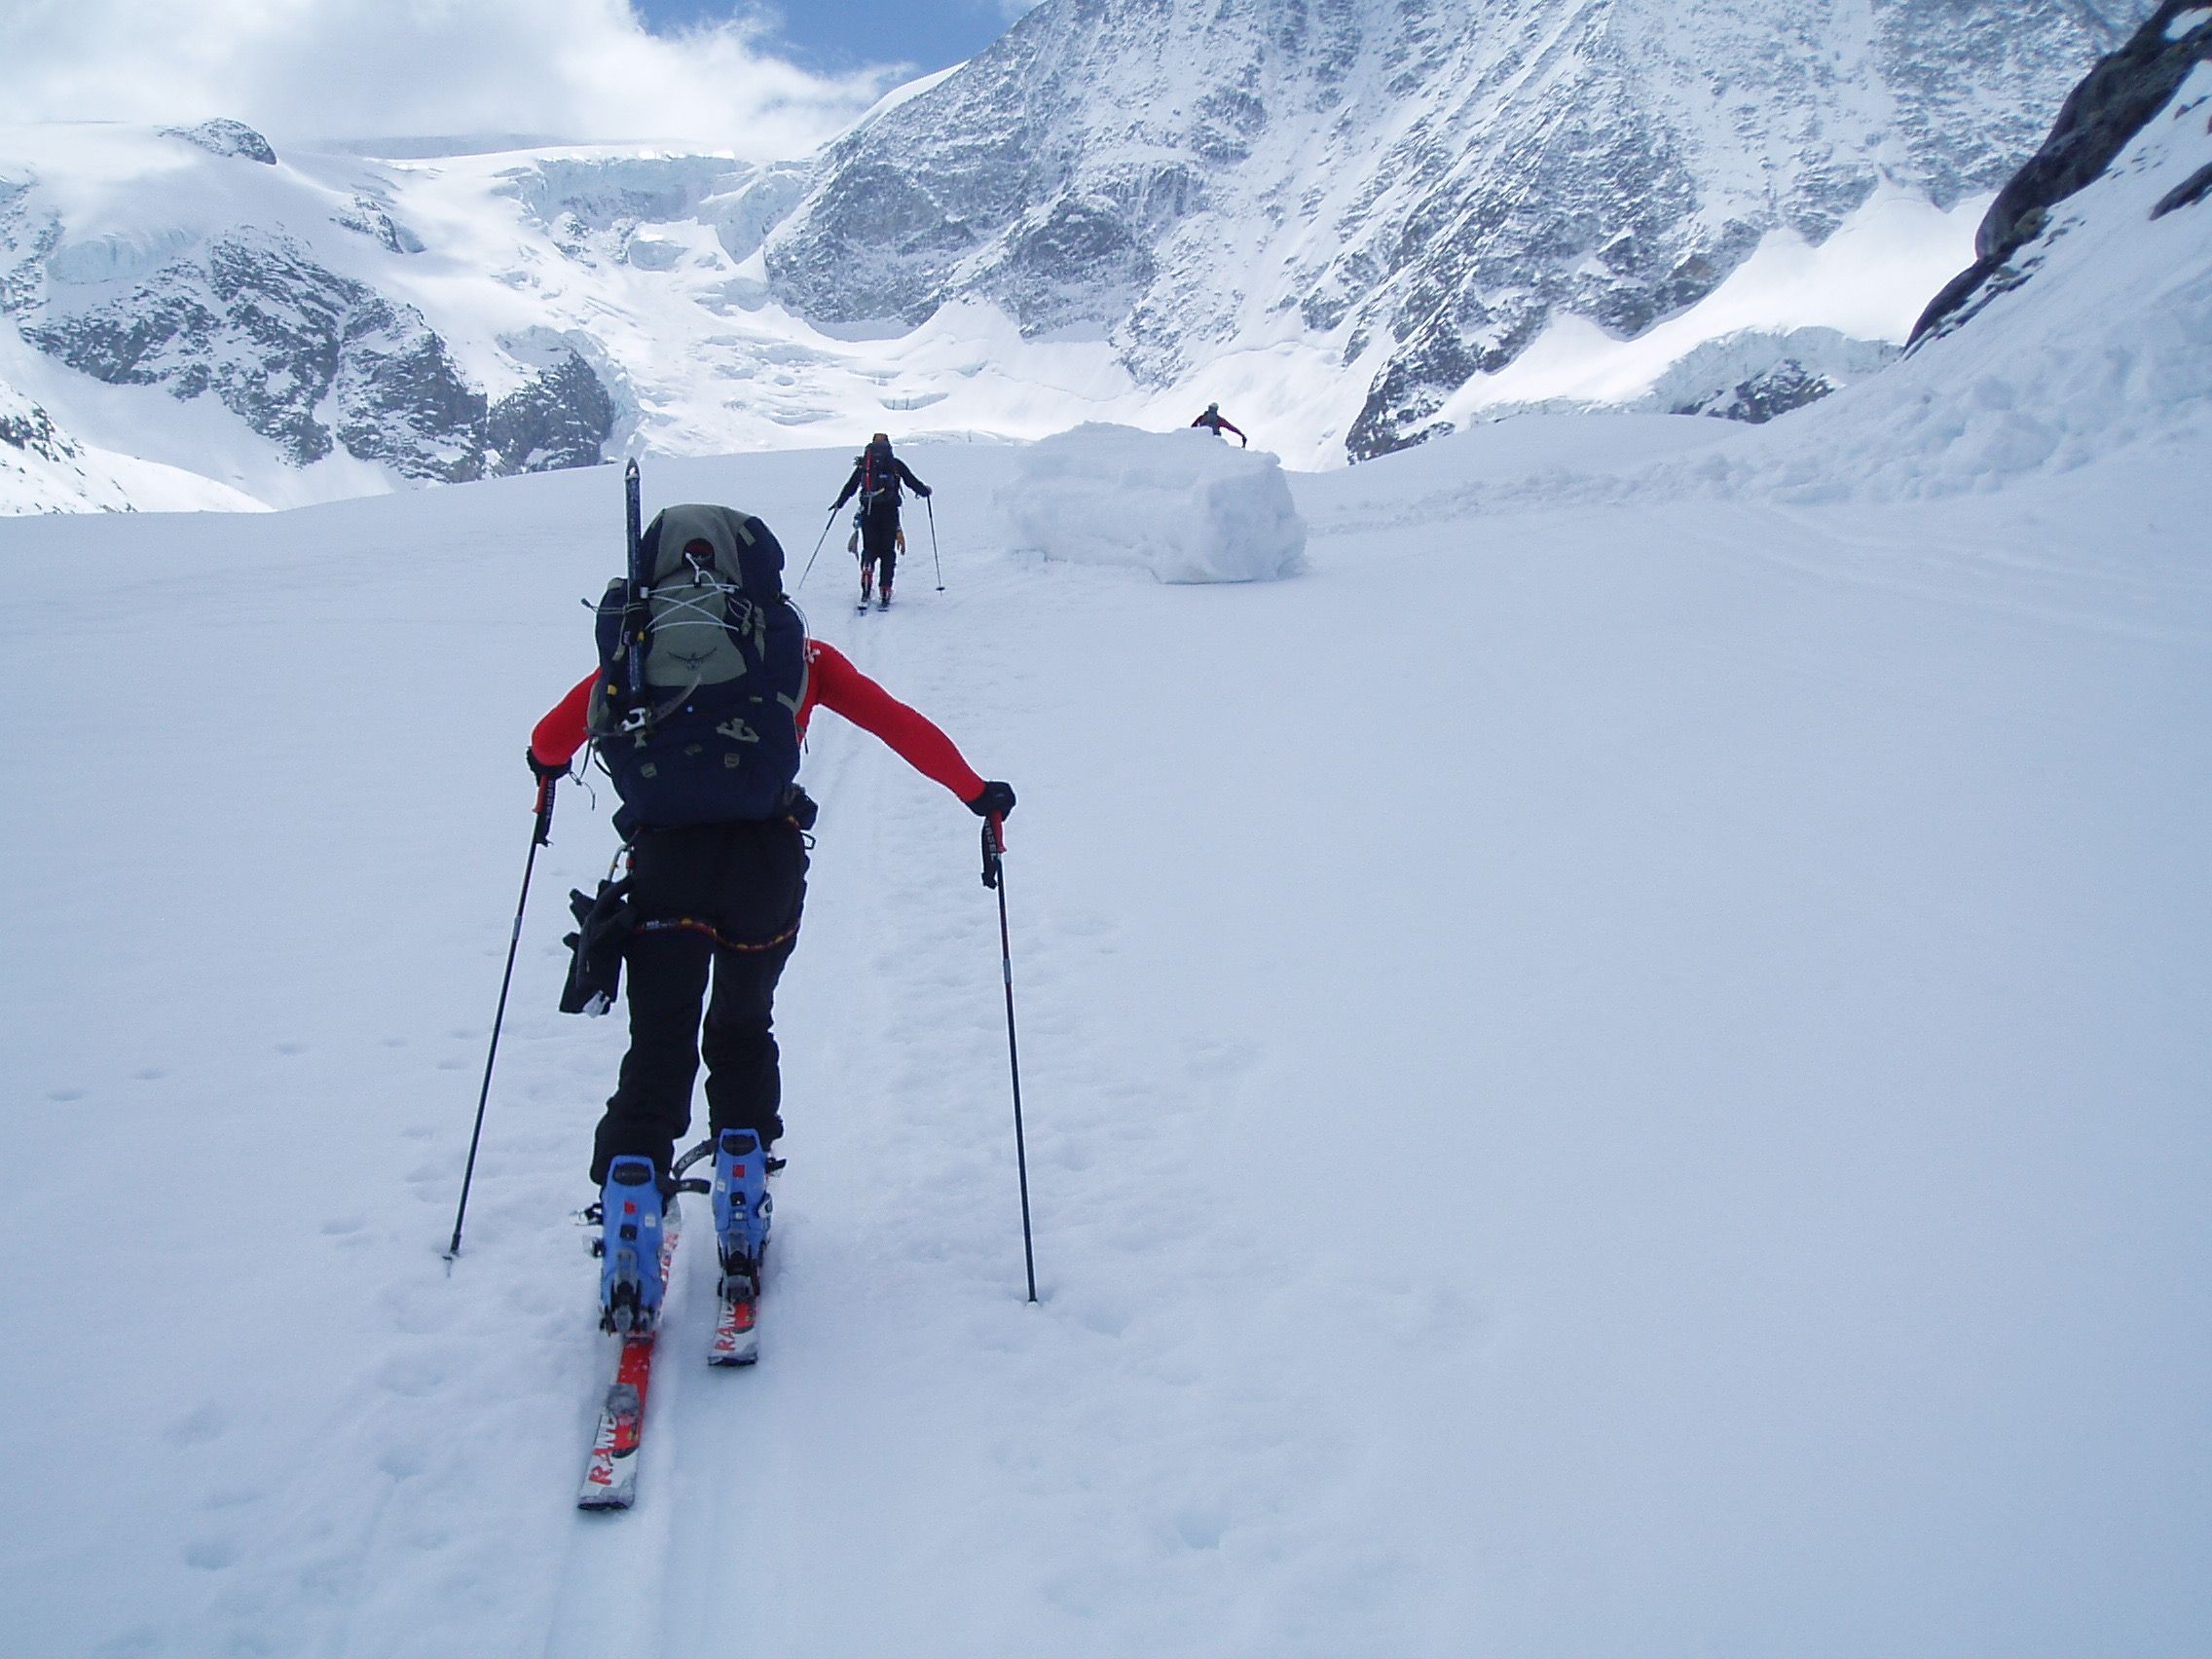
1344	218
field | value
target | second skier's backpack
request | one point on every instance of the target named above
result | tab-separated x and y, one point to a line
879	474
713	734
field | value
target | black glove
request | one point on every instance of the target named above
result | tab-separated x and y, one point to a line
995	801
544	769
923	491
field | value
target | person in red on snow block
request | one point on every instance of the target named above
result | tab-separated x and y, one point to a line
1216	422
877	476
704	754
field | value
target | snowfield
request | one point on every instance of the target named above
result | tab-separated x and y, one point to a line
1609	1071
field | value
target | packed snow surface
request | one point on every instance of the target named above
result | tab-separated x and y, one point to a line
1188	505
1615	1075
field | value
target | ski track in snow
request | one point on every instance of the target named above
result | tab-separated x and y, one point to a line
1607	1078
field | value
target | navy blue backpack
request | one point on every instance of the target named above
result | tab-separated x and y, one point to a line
712	734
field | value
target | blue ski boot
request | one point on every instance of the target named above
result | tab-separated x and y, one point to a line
630	1282
741	1211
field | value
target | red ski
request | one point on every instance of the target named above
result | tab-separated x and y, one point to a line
737	1332
611	1477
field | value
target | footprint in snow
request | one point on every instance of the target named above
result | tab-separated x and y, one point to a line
210	1555
412	1375
67	1094
1222	1059
196	1427
1200	1529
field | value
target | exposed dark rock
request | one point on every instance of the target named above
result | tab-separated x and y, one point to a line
317	362
274	336
369	218
562	418
26	425
2192	189
2114	102
1787	386
400	399
23	247
226	138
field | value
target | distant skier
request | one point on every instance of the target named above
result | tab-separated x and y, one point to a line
1216	422
714	826
877	476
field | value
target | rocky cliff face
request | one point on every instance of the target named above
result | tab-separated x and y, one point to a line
316	361
2113	104
1423	182
308	358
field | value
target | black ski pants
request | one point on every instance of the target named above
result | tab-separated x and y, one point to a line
719	903
879	538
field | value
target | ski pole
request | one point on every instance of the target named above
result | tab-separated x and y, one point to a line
932	505
540	835
817	541
994	876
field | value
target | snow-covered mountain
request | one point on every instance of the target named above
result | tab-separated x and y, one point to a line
1416	191
193	262
1356	223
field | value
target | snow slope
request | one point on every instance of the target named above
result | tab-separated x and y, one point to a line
1615	1075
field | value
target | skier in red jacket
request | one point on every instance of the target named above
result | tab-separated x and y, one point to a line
1216	422
724	899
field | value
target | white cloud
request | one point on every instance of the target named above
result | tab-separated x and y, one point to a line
580	69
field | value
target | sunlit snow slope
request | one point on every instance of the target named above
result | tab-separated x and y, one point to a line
1619	1075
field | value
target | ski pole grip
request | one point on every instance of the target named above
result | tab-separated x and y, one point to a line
544	835
994	843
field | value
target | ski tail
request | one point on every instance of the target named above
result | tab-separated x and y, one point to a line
611	1473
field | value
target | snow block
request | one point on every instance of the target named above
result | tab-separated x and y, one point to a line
1187	506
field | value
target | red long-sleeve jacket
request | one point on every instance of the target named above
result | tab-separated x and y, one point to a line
832	683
